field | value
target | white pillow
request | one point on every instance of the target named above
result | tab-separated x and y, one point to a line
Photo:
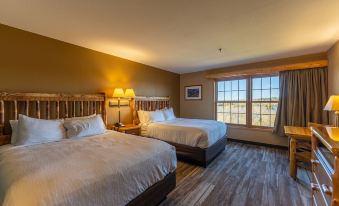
36	131
141	116
157	116
14	126
85	127
169	114
144	117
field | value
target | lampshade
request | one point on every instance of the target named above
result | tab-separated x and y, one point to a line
118	92
332	104
129	93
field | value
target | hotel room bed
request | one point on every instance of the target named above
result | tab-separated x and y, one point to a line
196	140
110	168
99	170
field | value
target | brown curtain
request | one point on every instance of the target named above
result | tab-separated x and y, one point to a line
303	94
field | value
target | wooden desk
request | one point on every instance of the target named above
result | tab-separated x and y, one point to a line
296	134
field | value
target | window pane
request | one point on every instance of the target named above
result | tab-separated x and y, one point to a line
227	107
256	83
234	107
265	95
265	120
220	117
242	118
221	86
221	96
235	96
242	84
274	107
266	83
220	107
256	120
242	107
272	120
275	94
228	86
227	117
234	118
265	108
275	82
255	108
234	85
228	96
242	96
256	95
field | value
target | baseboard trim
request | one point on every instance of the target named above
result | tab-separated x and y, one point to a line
258	143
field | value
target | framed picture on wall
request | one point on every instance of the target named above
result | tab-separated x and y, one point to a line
193	92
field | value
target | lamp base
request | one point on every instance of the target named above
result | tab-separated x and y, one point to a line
119	124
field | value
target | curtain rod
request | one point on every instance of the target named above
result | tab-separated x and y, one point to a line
268	70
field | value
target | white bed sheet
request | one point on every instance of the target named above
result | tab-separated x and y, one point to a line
192	132
108	169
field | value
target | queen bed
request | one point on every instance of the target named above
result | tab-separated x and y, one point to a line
196	140
103	169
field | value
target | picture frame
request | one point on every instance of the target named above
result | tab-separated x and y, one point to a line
193	92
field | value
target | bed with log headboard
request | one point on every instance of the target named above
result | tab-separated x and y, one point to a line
103	169
196	141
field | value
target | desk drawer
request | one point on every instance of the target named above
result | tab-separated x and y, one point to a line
322	177
318	200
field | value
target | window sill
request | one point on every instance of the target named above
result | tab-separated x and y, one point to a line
262	129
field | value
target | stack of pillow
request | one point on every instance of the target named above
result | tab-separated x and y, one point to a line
27	130
147	117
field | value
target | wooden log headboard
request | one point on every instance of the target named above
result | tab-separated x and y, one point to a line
47	106
151	103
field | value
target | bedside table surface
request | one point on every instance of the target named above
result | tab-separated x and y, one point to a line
129	126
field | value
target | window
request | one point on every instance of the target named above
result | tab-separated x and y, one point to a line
232	97
249	101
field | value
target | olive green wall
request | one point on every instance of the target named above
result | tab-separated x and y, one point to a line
34	63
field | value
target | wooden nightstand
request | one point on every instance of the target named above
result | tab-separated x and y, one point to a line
128	129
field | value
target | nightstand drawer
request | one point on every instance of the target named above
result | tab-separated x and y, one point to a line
133	131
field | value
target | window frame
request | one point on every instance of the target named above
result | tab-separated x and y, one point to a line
249	86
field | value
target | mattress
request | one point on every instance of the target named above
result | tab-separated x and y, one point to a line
191	132
112	168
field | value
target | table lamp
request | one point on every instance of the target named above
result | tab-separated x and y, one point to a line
333	105
129	93
118	93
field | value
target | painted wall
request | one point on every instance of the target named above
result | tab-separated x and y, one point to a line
33	63
333	72
205	109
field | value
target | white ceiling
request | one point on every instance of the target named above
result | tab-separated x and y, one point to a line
183	35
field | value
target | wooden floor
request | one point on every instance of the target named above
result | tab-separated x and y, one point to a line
242	175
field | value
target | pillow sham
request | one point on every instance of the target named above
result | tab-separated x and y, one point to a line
144	116
157	116
169	114
141	116
37	131
14	127
85	127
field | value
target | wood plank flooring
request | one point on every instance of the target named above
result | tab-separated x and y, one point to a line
242	175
